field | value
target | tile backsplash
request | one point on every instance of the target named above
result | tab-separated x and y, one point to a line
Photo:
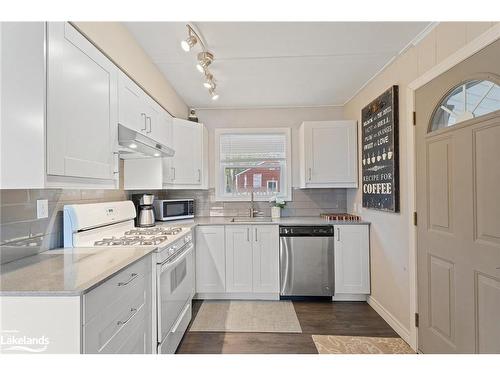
22	234
305	202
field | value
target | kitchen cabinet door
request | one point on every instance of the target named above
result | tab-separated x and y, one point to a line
352	259
210	259
329	153
131	108
82	106
239	259
186	168
265	258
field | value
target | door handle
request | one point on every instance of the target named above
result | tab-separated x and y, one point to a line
256	235
150	126
145	126
248	234
132	277
173	173
310	174
199	175
338	234
122	322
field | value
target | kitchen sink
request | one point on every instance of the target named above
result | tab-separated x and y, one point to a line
258	219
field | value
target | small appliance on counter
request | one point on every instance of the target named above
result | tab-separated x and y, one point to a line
144	208
174	209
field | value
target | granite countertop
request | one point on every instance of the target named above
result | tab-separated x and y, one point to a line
297	220
66	272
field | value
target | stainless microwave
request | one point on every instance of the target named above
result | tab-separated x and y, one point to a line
173	209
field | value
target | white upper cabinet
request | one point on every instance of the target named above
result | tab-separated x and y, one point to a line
131	108
82	107
352	259
22	139
139	112
188	168
328	154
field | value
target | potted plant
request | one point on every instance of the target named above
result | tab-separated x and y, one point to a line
276	205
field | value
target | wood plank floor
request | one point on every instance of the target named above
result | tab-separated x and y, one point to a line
315	318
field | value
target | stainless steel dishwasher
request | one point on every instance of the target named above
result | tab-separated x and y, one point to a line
306	261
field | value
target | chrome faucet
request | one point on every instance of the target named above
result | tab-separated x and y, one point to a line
252	209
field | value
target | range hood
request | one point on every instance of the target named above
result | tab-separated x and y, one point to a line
138	144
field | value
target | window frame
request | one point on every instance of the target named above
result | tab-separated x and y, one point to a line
219	172
475	77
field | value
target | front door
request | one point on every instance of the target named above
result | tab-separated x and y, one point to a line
458	205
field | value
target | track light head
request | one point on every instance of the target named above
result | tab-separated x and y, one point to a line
188	43
204	61
213	94
209	81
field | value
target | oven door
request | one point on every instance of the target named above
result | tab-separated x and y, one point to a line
175	287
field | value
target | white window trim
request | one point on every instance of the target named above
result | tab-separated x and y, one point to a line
288	172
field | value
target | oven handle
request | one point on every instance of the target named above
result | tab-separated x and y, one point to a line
173	262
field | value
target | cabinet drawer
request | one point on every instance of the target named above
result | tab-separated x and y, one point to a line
116	328
128	282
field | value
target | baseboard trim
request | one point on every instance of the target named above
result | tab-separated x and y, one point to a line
390	319
239	296
349	297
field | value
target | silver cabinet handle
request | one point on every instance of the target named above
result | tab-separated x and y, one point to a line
150	126
122	322
338	234
199	175
310	174
248	234
173	173
132	277
256	235
145	126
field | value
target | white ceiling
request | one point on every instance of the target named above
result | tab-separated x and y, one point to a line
272	64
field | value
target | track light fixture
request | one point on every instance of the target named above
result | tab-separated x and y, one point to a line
205	59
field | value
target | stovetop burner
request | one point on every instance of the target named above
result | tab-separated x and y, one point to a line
140	237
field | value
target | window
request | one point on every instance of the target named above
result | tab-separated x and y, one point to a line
466	101
252	160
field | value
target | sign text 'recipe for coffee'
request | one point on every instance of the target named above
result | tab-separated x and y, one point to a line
380	153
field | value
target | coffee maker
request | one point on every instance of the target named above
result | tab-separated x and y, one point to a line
144	208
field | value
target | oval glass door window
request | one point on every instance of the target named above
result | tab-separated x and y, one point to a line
466	101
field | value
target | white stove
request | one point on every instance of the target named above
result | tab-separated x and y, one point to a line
112	225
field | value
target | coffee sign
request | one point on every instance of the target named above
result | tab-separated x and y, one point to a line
380	153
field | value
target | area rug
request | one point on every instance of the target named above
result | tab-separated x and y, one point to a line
360	345
247	316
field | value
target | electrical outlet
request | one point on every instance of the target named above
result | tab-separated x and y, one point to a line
42	208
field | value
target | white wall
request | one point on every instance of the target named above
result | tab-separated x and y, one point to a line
114	39
390	232
261	118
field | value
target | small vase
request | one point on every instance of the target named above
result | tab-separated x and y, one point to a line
275	212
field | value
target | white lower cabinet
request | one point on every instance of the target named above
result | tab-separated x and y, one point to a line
118	313
352	260
237	261
265	263
210	259
114	317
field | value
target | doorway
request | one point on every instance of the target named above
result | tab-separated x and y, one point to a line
457	139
